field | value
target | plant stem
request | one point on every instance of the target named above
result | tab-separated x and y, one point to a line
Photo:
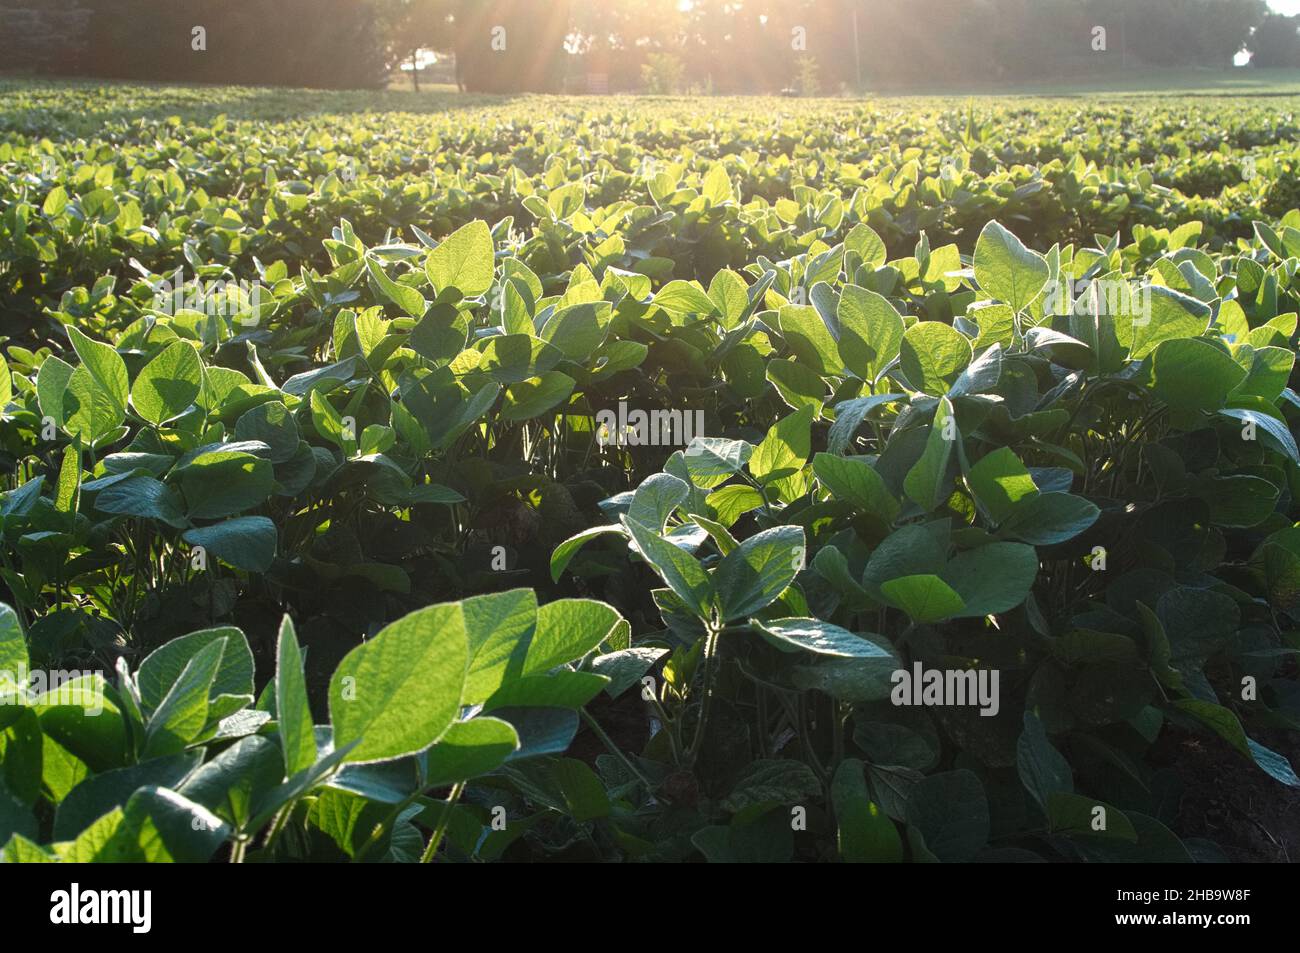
608	742
444	820
706	703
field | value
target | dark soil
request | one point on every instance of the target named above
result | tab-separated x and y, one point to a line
1225	798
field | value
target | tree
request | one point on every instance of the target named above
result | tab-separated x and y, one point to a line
409	26
511	46
1275	43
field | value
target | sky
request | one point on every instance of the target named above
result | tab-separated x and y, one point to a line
1289	7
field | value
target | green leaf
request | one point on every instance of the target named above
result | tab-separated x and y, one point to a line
398	693
780	457
822	638
933	355
245	542
13	646
106	368
755	574
856	481
1043	770
951	811
100	794
994	578
1000	481
222	483
683	297
808	337
1076	816
1191	374
567	629
183	712
864	240
584	795
1050	518
713	460
404	296
293	712
871	332
1173	315
1007	270
1226	725
866	834
463	260
927	483
1279	433
925	598
578	330
161	669
565	552
677	568
525	400
469	750
145	497
169	384
849	416
655	500
798	385
772	781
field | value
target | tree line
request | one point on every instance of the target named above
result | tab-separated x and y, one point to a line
708	45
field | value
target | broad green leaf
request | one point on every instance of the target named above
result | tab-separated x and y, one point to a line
463	260
780	457
1043	770
1173	315
677	568
822	638
105	367
656	499
933	355
755	574
925	598
567	629
398	693
565	552
855	481
951	811
404	296
169	384
144	497
1000	481
866	834
808	337
871	332
162	667
1050	518
469	750
994	578
245	542
13	646
225	482
525	400
1006	269
183	712
1193	375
